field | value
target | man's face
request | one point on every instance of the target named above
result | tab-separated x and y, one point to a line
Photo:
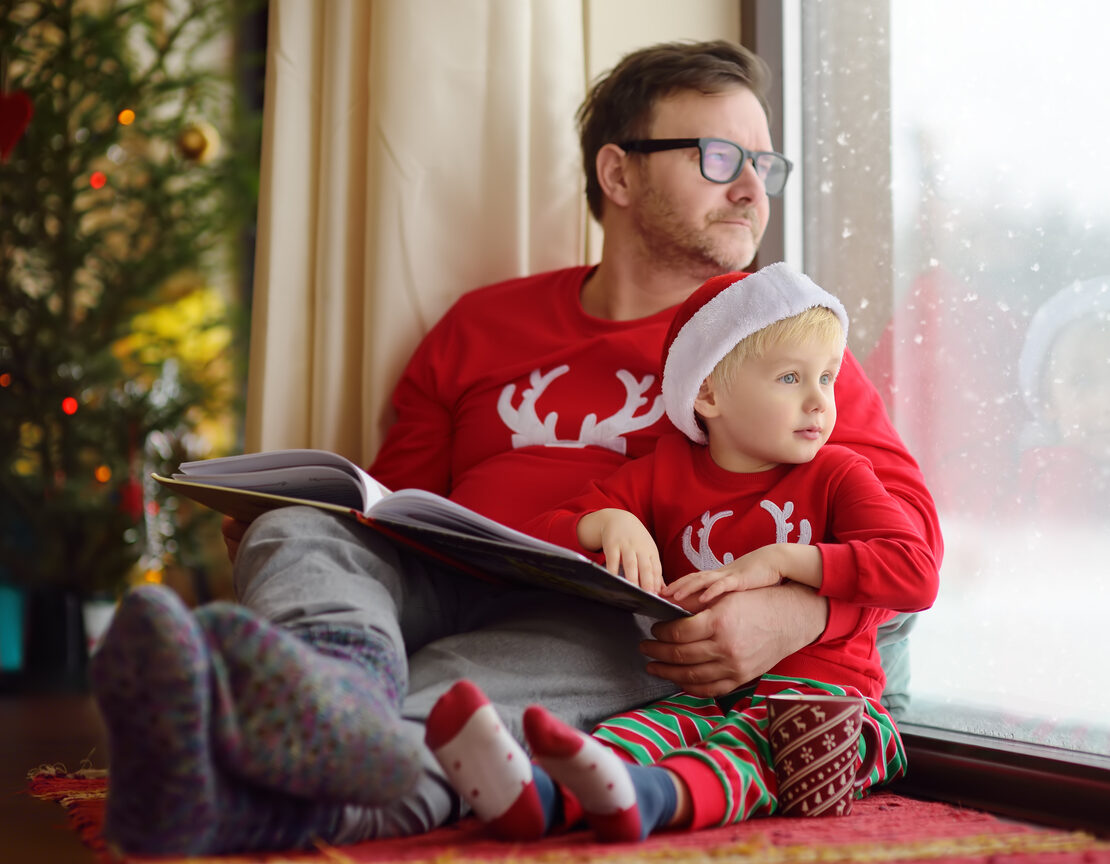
685	220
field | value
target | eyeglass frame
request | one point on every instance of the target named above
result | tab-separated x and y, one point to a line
656	145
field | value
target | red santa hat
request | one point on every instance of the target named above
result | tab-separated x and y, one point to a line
716	317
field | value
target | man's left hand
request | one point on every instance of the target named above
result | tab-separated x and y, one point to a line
741	636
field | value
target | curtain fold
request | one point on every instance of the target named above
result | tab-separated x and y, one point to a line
412	150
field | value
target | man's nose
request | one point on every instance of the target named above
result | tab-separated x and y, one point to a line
747	184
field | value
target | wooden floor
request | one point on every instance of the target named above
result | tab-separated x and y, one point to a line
36	727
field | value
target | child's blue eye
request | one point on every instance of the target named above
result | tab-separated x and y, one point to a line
826	378
789	378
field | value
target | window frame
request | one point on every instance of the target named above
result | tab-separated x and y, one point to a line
1020	780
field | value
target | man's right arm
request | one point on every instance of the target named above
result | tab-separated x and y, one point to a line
233	531
416	453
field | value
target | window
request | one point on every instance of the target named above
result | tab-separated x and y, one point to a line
955	192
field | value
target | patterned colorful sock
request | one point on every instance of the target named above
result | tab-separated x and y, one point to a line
297	720
622	802
152	680
487	767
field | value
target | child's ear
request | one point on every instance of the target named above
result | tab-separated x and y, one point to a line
705	403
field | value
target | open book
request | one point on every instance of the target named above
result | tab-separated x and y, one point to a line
247	485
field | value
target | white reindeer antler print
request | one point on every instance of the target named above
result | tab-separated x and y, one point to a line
703	557
610	432
524	421
782	527
528	430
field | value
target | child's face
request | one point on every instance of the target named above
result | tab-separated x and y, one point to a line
778	408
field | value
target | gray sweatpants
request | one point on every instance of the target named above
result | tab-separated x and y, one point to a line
300	565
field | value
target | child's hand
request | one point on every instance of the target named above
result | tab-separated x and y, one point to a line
627	545
695	591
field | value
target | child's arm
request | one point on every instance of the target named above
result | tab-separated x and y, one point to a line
627	546
760	568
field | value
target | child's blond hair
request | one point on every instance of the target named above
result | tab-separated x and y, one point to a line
818	323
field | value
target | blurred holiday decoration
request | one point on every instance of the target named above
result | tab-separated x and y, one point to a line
199	142
15	113
121	337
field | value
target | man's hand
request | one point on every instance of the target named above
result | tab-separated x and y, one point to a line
738	638
233	531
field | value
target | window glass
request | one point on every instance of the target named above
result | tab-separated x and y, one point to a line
957	196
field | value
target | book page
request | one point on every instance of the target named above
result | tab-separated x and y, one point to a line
421	507
316	475
315	483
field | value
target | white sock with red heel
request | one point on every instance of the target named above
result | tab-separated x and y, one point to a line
484	764
594	773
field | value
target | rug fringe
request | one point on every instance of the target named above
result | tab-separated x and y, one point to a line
985	847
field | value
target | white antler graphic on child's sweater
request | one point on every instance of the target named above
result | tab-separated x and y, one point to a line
529	430
782	527
704	558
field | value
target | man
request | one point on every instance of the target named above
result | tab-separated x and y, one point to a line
299	712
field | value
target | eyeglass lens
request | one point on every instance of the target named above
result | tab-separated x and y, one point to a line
722	162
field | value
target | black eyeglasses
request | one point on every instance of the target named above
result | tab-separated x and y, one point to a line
722	161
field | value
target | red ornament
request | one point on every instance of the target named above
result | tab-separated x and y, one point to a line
16	109
131	499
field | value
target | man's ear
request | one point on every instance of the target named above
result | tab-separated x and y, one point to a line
612	174
705	403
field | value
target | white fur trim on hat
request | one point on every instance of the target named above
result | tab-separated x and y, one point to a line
747	305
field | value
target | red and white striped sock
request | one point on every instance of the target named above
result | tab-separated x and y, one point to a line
484	764
590	770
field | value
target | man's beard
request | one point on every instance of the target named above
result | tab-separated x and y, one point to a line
678	245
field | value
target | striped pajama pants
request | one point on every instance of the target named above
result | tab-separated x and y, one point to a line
734	744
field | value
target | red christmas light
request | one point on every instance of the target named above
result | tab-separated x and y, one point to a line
69	405
97	179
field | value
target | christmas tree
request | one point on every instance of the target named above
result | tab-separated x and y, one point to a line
118	206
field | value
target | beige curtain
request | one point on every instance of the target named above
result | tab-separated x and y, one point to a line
414	149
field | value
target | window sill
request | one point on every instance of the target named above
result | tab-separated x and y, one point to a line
1030	782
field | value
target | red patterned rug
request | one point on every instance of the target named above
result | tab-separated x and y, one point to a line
883	827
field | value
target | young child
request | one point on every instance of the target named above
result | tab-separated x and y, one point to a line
749	369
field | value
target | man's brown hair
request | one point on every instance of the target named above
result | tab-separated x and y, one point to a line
621	104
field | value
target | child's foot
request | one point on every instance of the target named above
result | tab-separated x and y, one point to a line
151	677
484	764
299	721
621	802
